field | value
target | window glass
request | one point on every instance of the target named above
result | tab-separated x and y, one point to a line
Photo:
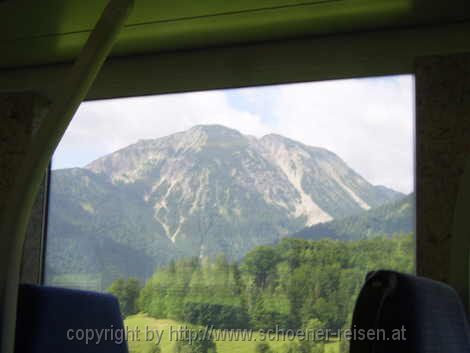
236	212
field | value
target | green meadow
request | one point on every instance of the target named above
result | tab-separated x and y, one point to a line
141	345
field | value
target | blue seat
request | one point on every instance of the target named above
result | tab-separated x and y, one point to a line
52	320
430	312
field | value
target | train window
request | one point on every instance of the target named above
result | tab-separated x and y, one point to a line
237	212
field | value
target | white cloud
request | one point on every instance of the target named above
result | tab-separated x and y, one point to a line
367	122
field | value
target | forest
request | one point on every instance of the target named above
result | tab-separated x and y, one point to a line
294	284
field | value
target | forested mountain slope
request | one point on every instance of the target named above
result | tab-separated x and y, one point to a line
390	219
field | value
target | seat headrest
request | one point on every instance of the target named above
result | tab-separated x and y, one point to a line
430	312
56	320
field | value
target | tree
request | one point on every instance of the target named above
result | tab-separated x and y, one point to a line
296	283
127	293
261	264
258	314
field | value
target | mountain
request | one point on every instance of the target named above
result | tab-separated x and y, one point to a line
390	219
97	227
200	192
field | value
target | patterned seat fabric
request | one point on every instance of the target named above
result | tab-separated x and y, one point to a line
429	314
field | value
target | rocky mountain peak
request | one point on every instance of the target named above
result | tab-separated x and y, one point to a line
210	189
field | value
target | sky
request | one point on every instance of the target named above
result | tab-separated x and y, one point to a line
368	122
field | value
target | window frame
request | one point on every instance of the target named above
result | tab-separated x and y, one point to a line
341	56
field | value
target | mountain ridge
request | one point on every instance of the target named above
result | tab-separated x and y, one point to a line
388	220
203	191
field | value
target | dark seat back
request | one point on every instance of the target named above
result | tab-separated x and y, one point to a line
51	320
429	313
